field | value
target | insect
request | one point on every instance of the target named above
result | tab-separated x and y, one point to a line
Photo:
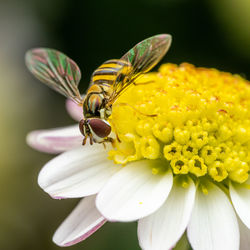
107	83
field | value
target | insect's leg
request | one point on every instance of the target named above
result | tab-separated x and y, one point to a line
104	145
91	139
116	134
106	140
109	139
84	140
117	137
136	110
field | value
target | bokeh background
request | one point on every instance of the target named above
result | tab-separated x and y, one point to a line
208	33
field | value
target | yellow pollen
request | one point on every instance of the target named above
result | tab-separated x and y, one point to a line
218	171
172	151
197	166
195	120
204	189
150	148
163	131
179	165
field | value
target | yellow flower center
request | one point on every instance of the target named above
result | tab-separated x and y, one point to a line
196	120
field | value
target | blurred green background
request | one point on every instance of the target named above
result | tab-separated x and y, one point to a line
207	33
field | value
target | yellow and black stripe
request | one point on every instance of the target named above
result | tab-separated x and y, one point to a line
108	72
100	88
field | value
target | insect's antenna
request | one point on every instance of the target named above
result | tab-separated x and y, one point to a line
136	110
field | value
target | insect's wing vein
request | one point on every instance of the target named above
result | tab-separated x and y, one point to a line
142	58
56	70
146	54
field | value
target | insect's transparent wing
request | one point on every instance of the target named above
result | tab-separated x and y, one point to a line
146	54
56	70
142	58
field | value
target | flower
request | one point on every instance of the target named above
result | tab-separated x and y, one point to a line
182	163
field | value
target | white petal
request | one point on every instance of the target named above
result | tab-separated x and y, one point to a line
244	236
240	197
83	221
163	229
213	223
55	140
134	192
77	173
74	110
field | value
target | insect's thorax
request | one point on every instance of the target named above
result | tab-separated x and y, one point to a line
101	88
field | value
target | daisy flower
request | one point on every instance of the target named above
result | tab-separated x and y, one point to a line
184	169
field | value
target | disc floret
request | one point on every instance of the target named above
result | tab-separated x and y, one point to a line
200	127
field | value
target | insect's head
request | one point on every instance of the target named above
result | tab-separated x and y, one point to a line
94	128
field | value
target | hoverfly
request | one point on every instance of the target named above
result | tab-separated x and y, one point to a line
107	83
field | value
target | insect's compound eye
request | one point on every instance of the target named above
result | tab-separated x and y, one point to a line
81	124
100	127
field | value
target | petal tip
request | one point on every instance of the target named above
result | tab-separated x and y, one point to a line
74	110
80	238
34	140
31	139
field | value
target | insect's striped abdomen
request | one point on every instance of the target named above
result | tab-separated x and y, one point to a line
107	73
100	88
